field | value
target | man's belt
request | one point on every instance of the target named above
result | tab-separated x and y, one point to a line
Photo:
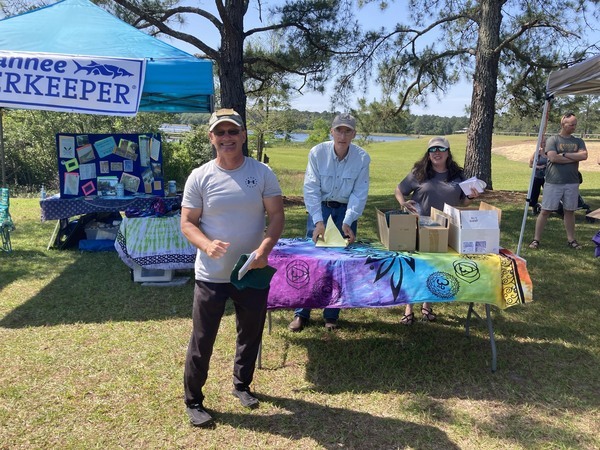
333	204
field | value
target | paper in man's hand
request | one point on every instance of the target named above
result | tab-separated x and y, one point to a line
246	265
332	236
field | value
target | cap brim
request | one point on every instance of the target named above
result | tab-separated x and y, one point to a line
212	127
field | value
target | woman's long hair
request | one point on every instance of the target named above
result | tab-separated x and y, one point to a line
423	169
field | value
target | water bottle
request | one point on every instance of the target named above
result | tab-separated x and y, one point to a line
172	187
43	193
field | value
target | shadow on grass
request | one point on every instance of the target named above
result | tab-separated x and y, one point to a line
12	267
333	427
89	288
371	355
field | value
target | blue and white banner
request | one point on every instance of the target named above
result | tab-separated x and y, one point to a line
68	83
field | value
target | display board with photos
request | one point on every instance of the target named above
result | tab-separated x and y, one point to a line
109	165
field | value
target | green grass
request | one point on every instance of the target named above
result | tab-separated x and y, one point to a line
89	359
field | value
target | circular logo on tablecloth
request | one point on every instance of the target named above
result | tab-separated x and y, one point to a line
443	285
297	274
467	270
326	290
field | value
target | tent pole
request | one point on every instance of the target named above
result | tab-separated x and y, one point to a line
542	131
2	150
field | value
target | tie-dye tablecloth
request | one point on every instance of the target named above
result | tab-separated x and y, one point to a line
368	276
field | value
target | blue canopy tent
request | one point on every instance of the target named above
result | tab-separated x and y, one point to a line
174	81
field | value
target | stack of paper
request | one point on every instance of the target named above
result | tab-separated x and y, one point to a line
332	237
472	182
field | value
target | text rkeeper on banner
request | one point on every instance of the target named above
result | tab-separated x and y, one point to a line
91	85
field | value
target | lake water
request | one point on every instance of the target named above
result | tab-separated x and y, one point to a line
296	137
301	137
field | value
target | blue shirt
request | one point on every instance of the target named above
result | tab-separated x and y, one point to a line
344	181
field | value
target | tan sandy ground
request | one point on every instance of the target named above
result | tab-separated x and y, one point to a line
522	152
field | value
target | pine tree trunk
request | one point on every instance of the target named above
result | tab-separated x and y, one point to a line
478	159
231	59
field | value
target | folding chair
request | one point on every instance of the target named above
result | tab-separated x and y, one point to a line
6	223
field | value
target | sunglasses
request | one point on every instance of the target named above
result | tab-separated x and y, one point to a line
437	149
232	132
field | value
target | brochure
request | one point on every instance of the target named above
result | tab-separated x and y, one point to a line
472	182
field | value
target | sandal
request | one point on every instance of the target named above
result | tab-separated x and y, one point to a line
407	319
535	244
574	244
428	314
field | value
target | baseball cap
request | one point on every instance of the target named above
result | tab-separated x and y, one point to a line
438	142
225	115
344	120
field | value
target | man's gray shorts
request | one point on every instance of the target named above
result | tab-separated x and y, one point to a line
554	193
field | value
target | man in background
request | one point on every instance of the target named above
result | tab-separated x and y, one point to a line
336	185
564	151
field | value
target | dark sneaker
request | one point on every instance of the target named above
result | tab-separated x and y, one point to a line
199	417
246	398
331	324
297	324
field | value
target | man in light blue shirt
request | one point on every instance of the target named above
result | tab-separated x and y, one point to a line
336	184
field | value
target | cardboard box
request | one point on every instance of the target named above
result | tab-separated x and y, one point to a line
140	274
401	234
594	214
474	230
434	239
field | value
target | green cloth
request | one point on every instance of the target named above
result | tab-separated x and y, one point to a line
254	278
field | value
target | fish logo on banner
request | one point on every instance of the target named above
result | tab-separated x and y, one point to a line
90	85
94	68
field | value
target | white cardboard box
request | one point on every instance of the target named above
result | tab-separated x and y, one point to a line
140	274
474	230
401	234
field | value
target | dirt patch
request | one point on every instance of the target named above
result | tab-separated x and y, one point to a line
504	197
522	152
293	200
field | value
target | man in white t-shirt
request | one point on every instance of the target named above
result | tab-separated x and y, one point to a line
223	215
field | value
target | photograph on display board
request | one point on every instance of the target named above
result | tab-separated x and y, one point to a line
127	149
107	186
130	183
144	145
66	147
85	153
93	164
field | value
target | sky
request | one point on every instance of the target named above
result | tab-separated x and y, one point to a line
452	104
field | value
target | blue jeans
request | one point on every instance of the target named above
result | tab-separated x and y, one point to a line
337	214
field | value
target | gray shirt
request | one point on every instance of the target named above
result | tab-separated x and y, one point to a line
232	211
433	192
563	173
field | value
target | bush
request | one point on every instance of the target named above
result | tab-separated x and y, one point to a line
180	158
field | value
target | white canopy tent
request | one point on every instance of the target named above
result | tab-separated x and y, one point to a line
580	79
